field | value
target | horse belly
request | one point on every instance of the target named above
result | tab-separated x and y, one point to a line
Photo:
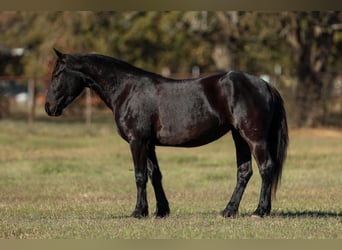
187	118
191	134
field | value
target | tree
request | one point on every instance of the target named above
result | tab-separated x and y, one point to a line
306	44
311	36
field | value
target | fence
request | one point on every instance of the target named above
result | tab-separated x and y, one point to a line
20	97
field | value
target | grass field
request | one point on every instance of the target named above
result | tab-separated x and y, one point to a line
61	182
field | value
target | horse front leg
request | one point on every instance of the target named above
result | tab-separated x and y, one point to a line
139	153
162	206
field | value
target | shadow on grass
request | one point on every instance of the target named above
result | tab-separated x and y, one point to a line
307	213
299	214
276	214
120	217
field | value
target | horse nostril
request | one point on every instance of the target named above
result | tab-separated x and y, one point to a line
47	108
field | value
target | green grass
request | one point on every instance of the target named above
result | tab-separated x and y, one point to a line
61	182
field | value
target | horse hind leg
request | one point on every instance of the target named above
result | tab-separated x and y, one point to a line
266	165
244	173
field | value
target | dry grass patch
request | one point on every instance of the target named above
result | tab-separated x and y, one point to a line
60	182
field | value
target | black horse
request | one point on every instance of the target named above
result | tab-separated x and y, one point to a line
151	110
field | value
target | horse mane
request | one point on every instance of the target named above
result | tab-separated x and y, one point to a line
111	62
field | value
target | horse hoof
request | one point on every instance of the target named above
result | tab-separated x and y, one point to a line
161	214
259	213
227	213
139	214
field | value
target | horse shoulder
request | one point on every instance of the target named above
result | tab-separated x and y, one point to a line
134	110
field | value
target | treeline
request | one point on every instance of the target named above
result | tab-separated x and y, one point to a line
300	51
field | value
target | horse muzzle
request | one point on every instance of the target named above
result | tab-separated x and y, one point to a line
52	110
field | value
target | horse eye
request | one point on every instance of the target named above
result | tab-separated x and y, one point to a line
57	72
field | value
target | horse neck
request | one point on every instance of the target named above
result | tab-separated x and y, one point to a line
108	76
105	78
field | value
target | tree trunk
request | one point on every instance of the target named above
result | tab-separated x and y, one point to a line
312	45
221	57
31	102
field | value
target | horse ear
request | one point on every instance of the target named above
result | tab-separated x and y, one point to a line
59	54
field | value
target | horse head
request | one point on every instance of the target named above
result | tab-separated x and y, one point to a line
66	85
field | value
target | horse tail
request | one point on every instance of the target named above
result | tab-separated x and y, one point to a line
278	139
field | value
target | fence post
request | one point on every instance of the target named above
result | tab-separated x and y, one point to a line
341	99
88	109
31	101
